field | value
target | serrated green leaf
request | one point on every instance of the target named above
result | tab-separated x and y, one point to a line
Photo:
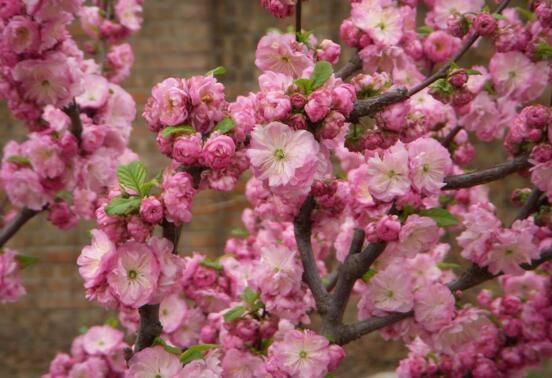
239	232
443	86
212	264
168	348
233	314
441	216
19	160
219	71
132	176
177	130
321	74
249	296
123	206
24	261
225	126
196	352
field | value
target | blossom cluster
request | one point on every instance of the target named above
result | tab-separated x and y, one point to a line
11	288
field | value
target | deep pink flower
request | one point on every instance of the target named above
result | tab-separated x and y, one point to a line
178	192
218	151
187	149
11	288
151	210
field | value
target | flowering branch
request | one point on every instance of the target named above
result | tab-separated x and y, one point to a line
473	277
533	203
373	105
486	175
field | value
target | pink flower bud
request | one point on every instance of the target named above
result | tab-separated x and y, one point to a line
485	24
151	210
187	149
61	216
329	51
537	116
298	100
458	78
541	153
337	354
388	228
332	125
511	305
218	151
534	135
138	229
297	121
204	277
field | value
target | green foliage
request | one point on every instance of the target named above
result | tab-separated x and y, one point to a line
196	352
211	264
123	206
235	313
441	216
320	75
24	261
239	232
19	160
168	348
225	126
219	71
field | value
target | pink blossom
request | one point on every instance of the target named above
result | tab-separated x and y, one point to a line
171	266
171	312
101	340
433	306
278	271
388	175
151	210
187	149
280	53
515	76
21	35
430	162
279	8
207	99
481	225
485	24
440	46
11	288
178	192
278	154
510	250
91	21
95	93
300	353
23	189
206	368
153	362
239	364
388	228
61	215
187	333
95	259
45	156
443	9
129	14
384	25
329	51
135	273
417	235
274	105
464	328
169	103
119	59
9	8
388	293
218	151
90	368
483	118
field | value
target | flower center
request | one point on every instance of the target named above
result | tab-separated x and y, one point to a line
45	83
132	274
390	294
425	168
391	174
279	154
508	252
303	354
381	26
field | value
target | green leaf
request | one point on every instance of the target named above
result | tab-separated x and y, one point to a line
489	88
177	130
498	16
112	322
132	176
525	14
83	330
303	37
212	264
123	206
305	85
406	211
473	72
169	348
196	352
239	232
249	297
447	266
226	125
368	275
233	314
219	71
321	73
441	216
425	30
25	261
543	50
19	160
443	86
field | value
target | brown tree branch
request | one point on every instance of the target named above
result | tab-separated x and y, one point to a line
533	203
449	138
352	66
298	19
73	111
487	175
15	225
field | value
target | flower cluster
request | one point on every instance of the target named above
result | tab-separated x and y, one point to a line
99	352
279	8
11	288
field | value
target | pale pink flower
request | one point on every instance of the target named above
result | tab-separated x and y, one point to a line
21	35
95	259
444	9
129	13
384	25
187	333
483	117
359	178
440	46
388	293
239	364
24	190
417	235
90	368
300	354
171	312
278	153
170	103
135	273
95	93
465	328
510	250
280	53
430	162
206	368
278	271
155	362
388	175
481	226
119	59
433	306
541	176
45	155
515	76
91	21
101	340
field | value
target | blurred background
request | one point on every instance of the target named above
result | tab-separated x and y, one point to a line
178	38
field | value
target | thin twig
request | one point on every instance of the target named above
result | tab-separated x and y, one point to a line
449	138
298	19
352	66
15	225
533	203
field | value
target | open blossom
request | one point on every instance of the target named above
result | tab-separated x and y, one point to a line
389	174
465	327
21	35
384	25
433	306
155	362
279	8
24	190
218	151
11	288
96	90
417	235
481	225
440	46
101	340
300	353
278	154
135	273
510	250
129	13
204	368
444	9
239	364
278	272
169	103
171	312
430	162
387	293
207	99
281	53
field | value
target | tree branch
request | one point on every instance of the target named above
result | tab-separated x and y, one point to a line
533	203
349	68
487	175
473	277
449	138
11	229
73	111
150	327
373	105
302	229
298	19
